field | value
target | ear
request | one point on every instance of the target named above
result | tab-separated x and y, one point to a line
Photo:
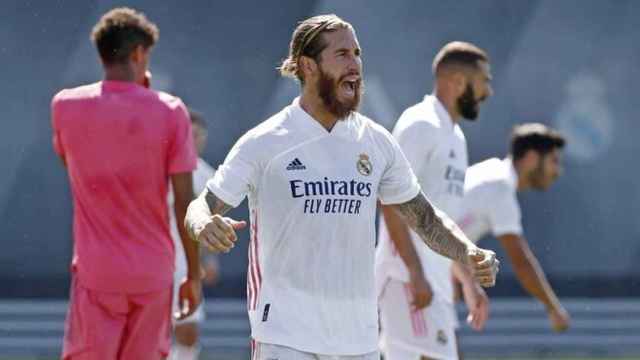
530	159
459	82
308	66
138	54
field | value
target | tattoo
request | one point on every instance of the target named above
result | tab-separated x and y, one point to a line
201	209
441	235
216	206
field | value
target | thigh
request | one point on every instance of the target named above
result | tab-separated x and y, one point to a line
95	324
148	331
264	351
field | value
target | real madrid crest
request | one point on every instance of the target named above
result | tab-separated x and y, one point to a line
441	337
364	165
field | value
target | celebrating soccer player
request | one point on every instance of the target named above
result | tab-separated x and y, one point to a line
313	174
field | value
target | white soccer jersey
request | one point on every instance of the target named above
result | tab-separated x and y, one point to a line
312	197
437	151
490	203
201	175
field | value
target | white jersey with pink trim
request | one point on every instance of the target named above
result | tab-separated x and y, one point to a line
437	151
312	198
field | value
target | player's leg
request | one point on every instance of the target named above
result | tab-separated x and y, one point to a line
147	334
186	334
95	324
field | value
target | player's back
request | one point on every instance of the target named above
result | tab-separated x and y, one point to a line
119	142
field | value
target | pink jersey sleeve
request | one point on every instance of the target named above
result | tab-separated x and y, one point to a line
55	119
182	151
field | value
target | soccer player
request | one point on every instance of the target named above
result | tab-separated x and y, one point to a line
121	144
491	205
186	330
313	173
417	311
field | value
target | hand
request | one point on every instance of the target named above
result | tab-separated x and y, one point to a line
485	266
209	272
559	318
219	234
189	298
477	304
421	290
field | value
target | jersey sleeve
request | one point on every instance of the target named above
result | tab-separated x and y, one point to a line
182	151
55	125
504	213
238	175
398	183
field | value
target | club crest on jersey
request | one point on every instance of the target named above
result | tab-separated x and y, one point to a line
364	165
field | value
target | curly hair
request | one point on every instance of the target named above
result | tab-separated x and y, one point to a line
120	31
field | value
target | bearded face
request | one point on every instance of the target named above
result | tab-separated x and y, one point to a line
468	105
341	96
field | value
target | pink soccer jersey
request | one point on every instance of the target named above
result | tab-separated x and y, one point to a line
121	142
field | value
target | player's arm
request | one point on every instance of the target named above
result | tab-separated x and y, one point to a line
443	236
205	222
399	234
532	277
474	296
182	184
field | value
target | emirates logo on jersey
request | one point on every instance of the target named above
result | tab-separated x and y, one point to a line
364	165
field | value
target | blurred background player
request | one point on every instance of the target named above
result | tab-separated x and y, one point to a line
186	332
121	144
491	205
417	311
313	174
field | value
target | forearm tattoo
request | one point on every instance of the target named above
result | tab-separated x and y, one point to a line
216	206
438	234
201	209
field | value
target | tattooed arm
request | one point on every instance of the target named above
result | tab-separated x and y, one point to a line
205	224
443	236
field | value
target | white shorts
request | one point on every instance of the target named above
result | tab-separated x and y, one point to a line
264	351
408	334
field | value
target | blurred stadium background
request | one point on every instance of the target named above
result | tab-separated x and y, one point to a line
572	64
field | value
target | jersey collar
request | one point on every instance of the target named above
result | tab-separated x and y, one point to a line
440	110
308	123
513	174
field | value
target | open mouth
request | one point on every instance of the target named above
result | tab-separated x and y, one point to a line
350	85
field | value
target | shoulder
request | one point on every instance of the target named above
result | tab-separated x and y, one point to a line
268	133
76	94
490	175
170	101
420	117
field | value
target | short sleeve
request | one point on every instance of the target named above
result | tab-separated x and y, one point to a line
504	213
55	125
238	175
182	151
398	183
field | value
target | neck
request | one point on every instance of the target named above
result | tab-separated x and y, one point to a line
120	73
449	103
313	105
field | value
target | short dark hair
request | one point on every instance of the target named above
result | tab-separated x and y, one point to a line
307	40
534	136
120	31
197	118
458	53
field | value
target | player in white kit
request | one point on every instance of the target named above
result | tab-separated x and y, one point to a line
186	332
491	205
313	174
414	283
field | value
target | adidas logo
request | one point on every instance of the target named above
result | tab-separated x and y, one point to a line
296	164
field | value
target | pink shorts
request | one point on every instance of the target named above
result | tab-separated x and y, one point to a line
117	326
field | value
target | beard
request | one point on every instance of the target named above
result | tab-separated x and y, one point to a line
468	106
327	88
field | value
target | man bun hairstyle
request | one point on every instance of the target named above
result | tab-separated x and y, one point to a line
307	41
